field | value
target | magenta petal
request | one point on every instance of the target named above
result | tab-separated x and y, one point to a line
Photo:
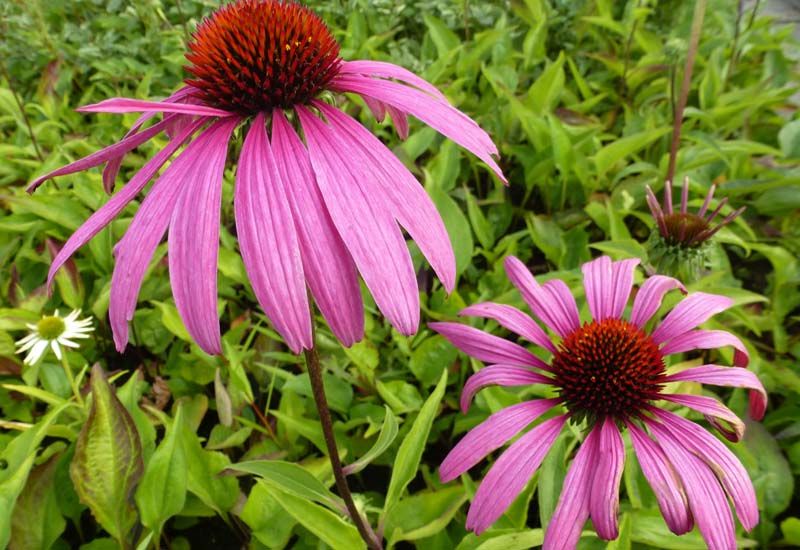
608	285
663	480
690	312
400	120
731	377
126	105
365	225
730	471
328	267
499	375
708	339
572	511
389	70
706	499
378	108
714	411
649	297
489	435
509	475
486	347
268	240
514	320
194	240
406	198
436	113
557	309
114	206
604	501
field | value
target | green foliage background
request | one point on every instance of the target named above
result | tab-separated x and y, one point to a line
579	98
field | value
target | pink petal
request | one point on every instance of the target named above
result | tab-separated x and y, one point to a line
649	297
690	312
572	511
713	410
486	347
382	69
514	320
500	375
400	120
406	198
720	460
551	305
604	501
108	153
731	377
194	240
608	285
436	113
365	225
114	206
509	475
708	339
126	105
663	480
491	434
328	267
378	108
268	240
706	499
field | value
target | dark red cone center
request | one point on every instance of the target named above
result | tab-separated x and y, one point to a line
252	56
683	228
608	368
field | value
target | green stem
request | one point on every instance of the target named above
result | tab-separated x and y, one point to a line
68	370
318	389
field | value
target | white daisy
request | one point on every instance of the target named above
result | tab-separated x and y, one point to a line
55	331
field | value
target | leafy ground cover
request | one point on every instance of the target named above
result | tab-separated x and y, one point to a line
580	99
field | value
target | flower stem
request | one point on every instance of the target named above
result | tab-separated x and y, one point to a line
315	375
68	370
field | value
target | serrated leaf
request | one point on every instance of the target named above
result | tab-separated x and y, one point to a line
37	521
409	454
386	436
108	460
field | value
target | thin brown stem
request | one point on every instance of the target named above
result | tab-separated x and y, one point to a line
697	27
21	110
318	389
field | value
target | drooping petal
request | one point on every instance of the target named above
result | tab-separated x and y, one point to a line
604	501
688	314
514	320
558	311
365	225
708	339
499	375
663	480
572	511
268	240
487	347
713	453
328	267
114	206
378	108
649	297
720	416
194	241
126	105
491	434
382	69
436	113
400	121
509	475
103	155
706	499
729	377
407	199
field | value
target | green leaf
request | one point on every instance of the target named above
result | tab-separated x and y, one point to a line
445	40
108	460
288	478
203	467
172	320
409	454
458	228
424	514
270	523
789	139
386	436
430	358
514	541
614	152
37	522
310	429
790	527
480	226
544	94
401	396
162	491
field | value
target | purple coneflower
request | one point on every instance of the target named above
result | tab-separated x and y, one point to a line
314	212
610	373
678	242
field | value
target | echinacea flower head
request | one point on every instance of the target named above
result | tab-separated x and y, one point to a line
53	331
311	212
679	242
609	375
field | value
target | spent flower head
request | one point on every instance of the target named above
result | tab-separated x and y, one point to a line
609	374
53	331
678	244
315	211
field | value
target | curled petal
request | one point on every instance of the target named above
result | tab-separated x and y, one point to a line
649	297
499	375
730	377
708	339
512	319
486	347
688	314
